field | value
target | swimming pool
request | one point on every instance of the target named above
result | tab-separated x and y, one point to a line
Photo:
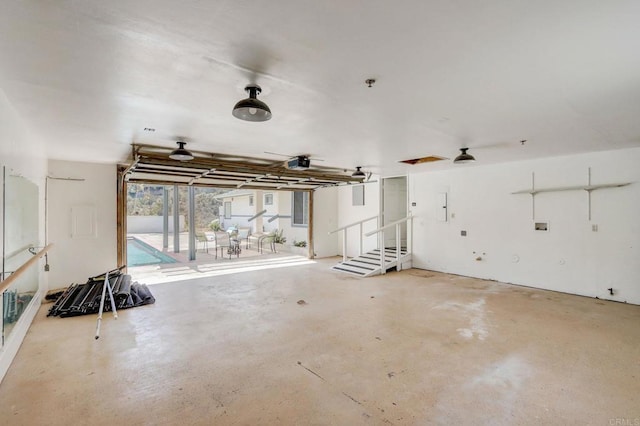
140	253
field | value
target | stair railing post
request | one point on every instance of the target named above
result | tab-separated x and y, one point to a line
410	237
383	270
360	252
344	246
398	267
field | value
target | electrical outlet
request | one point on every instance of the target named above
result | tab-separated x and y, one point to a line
594	228
463	233
46	267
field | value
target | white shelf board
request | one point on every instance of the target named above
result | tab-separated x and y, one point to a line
572	188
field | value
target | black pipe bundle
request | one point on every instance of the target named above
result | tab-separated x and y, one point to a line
84	299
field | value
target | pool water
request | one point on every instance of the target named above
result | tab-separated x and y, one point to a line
140	253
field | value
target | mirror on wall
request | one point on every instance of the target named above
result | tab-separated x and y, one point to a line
19	241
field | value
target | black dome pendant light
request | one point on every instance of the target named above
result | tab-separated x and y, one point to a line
464	157
358	173
181	153
251	109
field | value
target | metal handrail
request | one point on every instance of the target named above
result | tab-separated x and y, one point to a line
353	224
257	215
389	225
7	283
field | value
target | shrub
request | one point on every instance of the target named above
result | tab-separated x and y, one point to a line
299	243
277	237
214	225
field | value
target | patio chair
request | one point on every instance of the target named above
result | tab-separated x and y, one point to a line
223	242
260	239
243	235
202	240
255	239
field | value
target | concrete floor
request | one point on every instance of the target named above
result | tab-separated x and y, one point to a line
306	345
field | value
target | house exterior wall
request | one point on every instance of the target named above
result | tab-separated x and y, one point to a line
284	222
272	210
241	211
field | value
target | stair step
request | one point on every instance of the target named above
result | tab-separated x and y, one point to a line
364	260
387	252
369	263
338	268
355	265
377	258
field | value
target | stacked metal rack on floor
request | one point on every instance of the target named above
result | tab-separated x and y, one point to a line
84	299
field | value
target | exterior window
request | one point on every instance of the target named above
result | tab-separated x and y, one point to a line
300	206
268	199
250	200
227	209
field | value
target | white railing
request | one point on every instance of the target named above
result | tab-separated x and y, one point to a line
398	226
360	235
257	215
26	265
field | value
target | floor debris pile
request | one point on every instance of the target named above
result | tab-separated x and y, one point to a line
84	299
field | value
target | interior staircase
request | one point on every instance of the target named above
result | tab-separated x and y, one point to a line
368	264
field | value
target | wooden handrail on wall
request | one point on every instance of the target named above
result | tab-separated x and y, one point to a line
26	265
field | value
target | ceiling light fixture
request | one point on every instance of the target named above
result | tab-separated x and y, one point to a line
358	173
251	109
180	153
464	157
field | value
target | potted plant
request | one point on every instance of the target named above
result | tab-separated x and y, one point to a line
300	248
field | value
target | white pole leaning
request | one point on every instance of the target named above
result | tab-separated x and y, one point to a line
106	286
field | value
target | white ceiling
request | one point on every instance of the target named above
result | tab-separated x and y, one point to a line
90	75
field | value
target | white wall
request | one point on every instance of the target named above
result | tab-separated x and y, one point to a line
24	153
347	213
77	258
325	219
151	224
569	258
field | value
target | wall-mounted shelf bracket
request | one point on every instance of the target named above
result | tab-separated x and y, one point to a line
589	188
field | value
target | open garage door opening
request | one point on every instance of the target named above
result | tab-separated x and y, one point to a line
178	232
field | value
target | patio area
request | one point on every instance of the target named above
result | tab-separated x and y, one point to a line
206	263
